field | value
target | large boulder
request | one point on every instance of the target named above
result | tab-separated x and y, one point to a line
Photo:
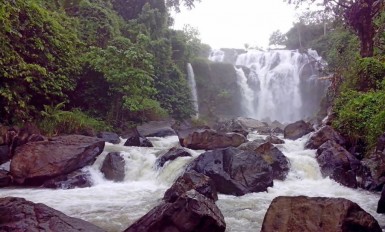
5	154
138	141
322	135
156	129
314	214
18	214
296	130
34	163
375	164
251	145
275	158
172	154
274	139
191	180
76	179
113	167
109	137
210	139
188	213
337	163
234	171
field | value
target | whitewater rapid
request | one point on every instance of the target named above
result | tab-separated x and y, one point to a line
114	206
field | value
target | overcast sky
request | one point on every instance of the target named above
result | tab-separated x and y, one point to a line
232	23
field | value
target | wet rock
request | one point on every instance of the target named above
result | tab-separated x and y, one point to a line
322	135
274	140
337	163
234	171
34	163
275	158
5	179
251	145
113	167
76	179
210	139
296	130
381	202
314	214
138	141
185	128
18	214
109	137
5	154
191	180
188	213
156	129
172	154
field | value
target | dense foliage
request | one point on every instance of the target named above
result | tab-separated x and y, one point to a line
116	60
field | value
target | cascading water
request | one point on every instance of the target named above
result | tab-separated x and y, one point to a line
193	87
114	206
277	78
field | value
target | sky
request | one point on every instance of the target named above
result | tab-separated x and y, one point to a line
232	23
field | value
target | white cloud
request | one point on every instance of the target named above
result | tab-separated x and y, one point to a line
232	23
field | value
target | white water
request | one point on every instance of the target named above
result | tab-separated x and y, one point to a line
275	77
114	206
193	86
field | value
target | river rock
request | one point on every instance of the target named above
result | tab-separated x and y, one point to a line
274	139
138	141
315	214
188	213
156	129
231	125
5	179
76	179
234	172
381	202
34	163
113	167
191	180
172	154
322	135
109	137
210	139
5	154
251	145
296	130
18	214
337	163
275	158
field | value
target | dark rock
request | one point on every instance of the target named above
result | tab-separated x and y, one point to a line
34	163
277	130
375	166
188	213
275	158
234	171
381	202
109	137
322	135
76	179
336	162
113	167
156	129
231	126
5	155
252	145
191	180
5	179
296	130
183	129
172	154
18	214
274	140
138	141
251	124
210	139
314	214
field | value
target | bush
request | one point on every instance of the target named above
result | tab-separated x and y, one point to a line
361	116
56	121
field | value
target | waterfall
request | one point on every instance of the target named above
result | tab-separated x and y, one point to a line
279	79
193	87
114	206
247	93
